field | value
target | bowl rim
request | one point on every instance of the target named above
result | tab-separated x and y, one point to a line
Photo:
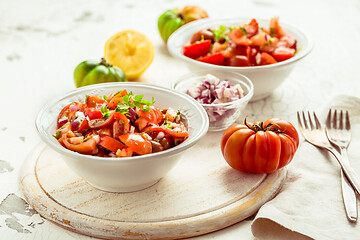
245	98
169	152
208	22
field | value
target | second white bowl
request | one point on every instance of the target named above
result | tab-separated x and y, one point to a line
265	78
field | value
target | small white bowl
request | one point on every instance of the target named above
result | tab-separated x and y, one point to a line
265	78
229	111
130	173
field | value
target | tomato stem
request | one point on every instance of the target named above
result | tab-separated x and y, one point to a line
260	127
104	63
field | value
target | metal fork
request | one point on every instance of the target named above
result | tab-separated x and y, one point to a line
315	134
339	134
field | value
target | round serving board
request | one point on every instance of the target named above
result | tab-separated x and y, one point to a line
200	195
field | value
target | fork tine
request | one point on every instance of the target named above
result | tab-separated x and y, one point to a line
310	122
318	125
299	119
347	120
335	119
328	120
341	120
304	120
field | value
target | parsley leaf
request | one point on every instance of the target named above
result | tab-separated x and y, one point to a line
243	30
134	101
105	111
219	33
57	135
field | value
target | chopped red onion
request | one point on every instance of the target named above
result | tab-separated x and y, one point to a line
214	91
96	138
132	113
73	108
211	89
160	135
62	121
75	124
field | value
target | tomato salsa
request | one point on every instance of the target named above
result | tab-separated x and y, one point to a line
119	125
244	45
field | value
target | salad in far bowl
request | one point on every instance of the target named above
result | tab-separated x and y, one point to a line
242	45
266	78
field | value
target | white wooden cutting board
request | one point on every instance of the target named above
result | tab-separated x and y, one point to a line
200	195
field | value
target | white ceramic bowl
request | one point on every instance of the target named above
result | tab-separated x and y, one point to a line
131	173
221	115
265	78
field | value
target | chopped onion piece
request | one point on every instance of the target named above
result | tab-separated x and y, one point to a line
211	90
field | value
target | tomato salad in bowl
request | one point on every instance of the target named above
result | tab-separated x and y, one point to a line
114	138
119	125
242	45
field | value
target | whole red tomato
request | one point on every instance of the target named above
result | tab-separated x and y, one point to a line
260	147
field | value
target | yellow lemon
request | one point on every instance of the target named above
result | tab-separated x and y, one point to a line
131	51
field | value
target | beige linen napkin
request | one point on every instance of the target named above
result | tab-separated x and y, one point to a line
310	203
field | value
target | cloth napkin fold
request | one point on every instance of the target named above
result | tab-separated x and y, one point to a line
310	203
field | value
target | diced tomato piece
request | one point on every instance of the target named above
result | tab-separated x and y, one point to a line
61	120
125	152
136	143
87	147
218	47
266	59
145	118
104	131
283	53
93	113
197	49
287	41
252	28
67	114
251	55
179	131
92	101
116	98
101	122
121	125
110	143
275	28
84	125
238	37
217	59
239	61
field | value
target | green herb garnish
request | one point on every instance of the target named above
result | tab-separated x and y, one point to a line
134	101
105	111
219	33
243	30
272	31
57	135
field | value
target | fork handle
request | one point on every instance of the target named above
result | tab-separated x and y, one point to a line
348	193
348	170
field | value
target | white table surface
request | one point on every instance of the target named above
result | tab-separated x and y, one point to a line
42	41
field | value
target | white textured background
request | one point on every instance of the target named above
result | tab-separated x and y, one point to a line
41	42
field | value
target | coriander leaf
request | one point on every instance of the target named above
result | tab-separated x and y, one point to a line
105	97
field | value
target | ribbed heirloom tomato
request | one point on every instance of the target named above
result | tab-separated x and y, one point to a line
260	147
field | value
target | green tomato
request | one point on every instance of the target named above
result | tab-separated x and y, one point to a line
168	22
92	72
